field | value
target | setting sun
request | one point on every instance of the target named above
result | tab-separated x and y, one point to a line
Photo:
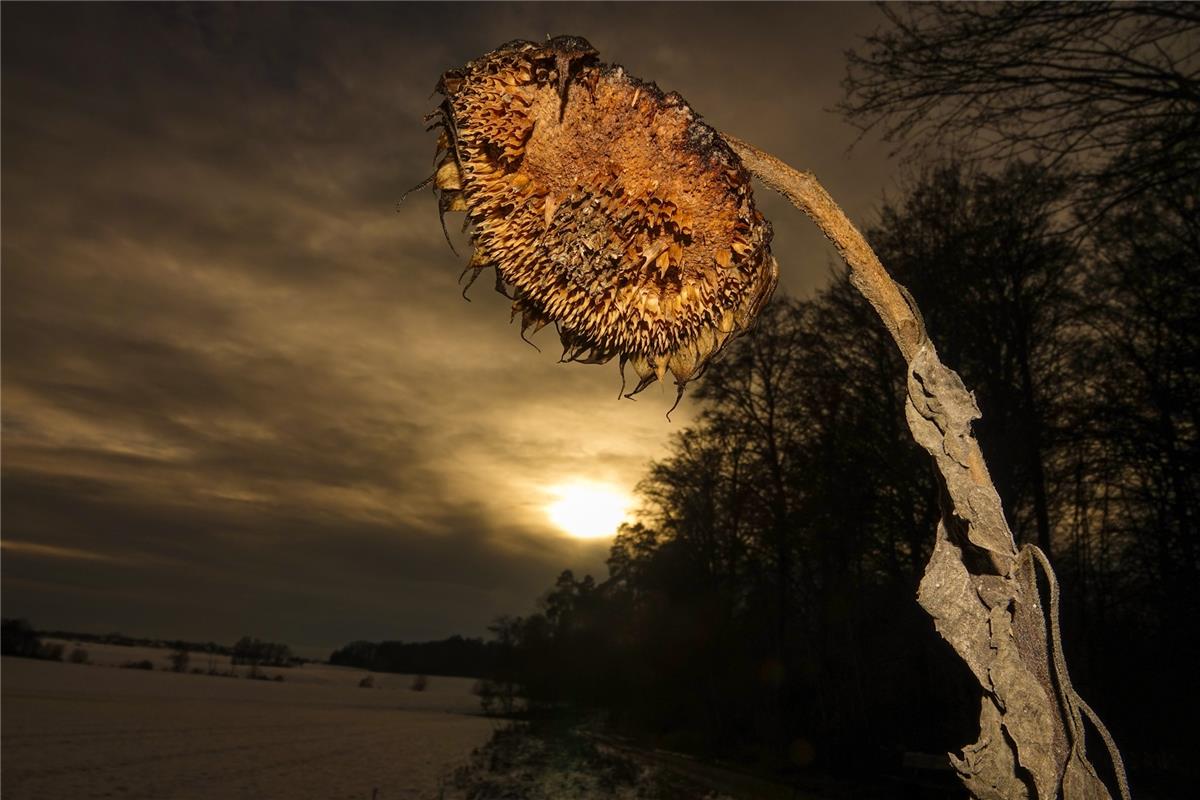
588	510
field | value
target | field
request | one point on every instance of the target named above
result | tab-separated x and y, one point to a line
90	731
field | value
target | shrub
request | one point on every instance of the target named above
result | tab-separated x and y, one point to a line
367	682
179	660
50	652
420	683
497	698
487	696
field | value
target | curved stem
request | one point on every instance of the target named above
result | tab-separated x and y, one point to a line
984	598
868	275
891	301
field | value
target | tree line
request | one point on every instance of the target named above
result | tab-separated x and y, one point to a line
20	638
258	653
455	656
124	640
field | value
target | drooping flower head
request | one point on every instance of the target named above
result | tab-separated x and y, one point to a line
605	206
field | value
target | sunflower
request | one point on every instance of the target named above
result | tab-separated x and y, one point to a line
605	207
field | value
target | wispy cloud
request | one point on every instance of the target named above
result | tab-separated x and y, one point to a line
51	551
224	349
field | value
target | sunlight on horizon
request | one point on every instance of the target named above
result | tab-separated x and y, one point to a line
588	510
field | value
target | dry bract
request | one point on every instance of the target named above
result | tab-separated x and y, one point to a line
605	207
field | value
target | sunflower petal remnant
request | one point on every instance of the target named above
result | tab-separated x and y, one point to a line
606	208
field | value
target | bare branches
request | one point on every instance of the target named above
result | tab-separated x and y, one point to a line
1114	89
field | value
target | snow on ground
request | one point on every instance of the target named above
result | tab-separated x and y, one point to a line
92	731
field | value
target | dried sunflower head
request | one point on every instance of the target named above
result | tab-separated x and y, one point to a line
605	206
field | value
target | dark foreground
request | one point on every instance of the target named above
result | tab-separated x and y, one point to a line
557	760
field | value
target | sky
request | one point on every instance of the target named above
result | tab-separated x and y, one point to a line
241	392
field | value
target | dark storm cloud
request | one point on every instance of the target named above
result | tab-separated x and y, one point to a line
242	393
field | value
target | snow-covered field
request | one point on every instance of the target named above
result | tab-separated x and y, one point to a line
83	731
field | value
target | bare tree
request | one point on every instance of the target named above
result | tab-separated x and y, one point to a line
1112	89
1141	420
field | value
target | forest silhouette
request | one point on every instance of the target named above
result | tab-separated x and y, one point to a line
762	605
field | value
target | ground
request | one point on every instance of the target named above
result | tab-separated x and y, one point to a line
100	731
91	731
562	761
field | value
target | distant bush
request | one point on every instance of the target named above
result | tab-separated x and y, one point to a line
79	656
143	664
420	683
179	660
497	698
367	682
50	652
256	674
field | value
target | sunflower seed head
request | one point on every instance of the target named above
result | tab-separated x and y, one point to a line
606	207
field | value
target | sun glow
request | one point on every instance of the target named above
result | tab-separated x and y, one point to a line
588	510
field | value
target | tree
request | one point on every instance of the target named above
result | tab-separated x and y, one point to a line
1134	556
499	691
983	252
19	639
683	639
1111	90
1145	400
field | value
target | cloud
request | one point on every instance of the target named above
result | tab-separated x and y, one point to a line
241	391
50	551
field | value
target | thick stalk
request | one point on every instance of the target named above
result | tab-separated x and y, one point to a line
981	592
